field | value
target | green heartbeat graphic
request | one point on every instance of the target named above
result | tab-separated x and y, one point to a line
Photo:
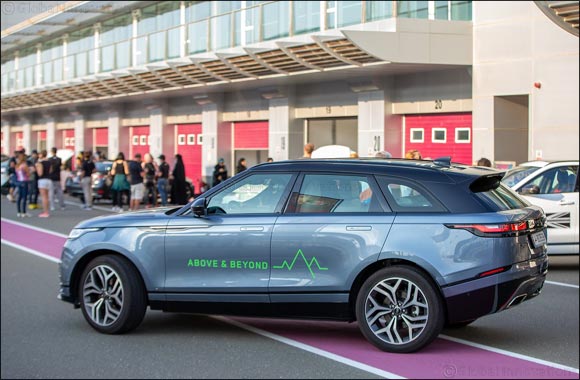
309	264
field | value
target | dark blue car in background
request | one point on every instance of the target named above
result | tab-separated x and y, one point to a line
403	247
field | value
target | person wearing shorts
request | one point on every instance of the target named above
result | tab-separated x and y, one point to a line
44	182
136	173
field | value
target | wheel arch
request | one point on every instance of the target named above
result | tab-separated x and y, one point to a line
85	260
380	264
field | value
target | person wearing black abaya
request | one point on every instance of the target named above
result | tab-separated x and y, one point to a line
178	187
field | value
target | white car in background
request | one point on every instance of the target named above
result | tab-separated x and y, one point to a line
554	187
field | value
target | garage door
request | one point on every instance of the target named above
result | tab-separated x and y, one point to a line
251	135
41	138
68	138
440	135
140	141
101	139
19	140
189	144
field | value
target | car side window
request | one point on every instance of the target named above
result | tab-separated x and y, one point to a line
256	194
406	196
326	193
556	180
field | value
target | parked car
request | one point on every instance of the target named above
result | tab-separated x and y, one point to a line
402	246
554	187
101	182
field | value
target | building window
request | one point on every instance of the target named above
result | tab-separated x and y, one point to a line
115	50
349	12
378	10
199	139
52	66
135	140
181	140
191	139
441	10
462	135
143	140
417	135
275	19
461	10
412	9
306	16
439	135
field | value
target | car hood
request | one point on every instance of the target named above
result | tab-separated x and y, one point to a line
142	218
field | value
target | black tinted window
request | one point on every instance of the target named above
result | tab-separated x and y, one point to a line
324	193
502	198
407	196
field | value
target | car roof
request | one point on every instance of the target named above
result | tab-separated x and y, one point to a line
433	170
541	164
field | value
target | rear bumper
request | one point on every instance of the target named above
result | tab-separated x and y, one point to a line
474	299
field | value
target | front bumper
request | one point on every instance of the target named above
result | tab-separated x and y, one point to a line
473	299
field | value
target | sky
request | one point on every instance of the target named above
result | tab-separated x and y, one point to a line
14	12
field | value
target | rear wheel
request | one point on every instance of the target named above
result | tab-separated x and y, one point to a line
399	310
112	295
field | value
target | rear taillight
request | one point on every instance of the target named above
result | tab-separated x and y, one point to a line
495	230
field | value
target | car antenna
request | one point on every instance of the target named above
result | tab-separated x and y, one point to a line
443	161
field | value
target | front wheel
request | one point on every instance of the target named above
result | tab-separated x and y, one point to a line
112	295
399	310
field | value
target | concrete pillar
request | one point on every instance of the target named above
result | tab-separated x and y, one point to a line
6	148
114	125
371	123
79	127
286	139
50	132
27	136
217	138
157	115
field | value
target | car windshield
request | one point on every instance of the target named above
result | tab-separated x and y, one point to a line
517	174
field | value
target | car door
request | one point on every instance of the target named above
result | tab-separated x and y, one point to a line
334	225
554	190
228	250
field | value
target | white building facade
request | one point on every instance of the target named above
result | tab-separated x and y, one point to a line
259	79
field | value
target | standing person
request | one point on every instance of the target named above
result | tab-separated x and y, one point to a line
178	187
413	154
119	171
308	149
136	179
87	170
163	177
44	182
12	177
33	183
55	168
270	159
22	181
150	167
220	172
241	165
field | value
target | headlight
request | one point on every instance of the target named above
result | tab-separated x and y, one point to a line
78	232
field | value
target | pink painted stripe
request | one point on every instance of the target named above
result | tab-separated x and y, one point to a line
39	241
441	359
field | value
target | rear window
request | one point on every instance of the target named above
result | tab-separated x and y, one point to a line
502	198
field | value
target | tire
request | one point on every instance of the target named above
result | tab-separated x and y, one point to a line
124	298
387	327
459	325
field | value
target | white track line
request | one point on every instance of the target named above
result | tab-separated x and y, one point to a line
314	350
34	227
562	284
31	251
509	353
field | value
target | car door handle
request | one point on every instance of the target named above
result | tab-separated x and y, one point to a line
359	228
252	228
566	203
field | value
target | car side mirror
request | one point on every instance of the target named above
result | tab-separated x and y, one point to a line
199	207
530	190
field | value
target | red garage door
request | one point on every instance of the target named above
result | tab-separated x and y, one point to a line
101	139
68	138
19	141
251	135
440	135
189	144
139	141
41	138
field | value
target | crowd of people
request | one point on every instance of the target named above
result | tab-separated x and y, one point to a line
139	180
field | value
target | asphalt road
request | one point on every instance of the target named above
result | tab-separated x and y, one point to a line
42	337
